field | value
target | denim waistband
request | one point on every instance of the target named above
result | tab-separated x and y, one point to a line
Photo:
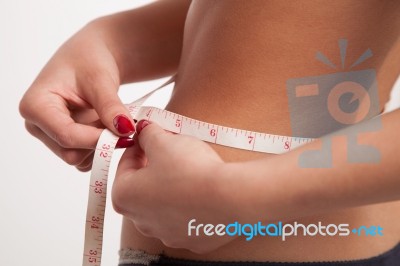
129	257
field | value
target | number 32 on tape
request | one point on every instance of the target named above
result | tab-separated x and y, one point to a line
231	137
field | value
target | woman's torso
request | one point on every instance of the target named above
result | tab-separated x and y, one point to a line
237	57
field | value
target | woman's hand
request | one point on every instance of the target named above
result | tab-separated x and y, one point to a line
75	96
167	180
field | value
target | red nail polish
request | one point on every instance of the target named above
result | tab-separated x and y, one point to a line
124	142
141	124
123	124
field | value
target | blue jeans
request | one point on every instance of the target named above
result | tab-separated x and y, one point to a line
140	258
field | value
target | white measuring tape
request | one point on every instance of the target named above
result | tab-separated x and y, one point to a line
231	137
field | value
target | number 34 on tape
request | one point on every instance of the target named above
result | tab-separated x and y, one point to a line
231	137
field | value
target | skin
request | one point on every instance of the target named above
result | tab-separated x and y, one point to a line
79	84
231	70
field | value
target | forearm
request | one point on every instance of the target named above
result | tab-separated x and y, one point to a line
280	188
146	42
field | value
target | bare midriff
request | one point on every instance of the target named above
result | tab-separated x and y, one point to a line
236	59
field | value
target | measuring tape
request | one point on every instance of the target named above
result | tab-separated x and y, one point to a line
226	136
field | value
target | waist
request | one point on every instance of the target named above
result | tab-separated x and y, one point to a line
240	113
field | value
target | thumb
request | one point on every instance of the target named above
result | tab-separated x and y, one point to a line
126	188
153	140
112	112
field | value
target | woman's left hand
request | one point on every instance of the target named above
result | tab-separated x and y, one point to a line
168	180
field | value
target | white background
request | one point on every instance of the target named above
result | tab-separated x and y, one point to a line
43	200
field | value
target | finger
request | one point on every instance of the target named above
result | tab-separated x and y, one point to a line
83	115
70	156
102	94
129	181
88	117
83	169
52	116
86	165
132	160
152	138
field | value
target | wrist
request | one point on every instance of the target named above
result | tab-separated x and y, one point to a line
105	31
238	189
265	191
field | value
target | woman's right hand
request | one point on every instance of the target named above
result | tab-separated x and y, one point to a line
75	96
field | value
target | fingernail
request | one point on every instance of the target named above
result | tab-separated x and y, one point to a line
124	142
141	124
123	124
